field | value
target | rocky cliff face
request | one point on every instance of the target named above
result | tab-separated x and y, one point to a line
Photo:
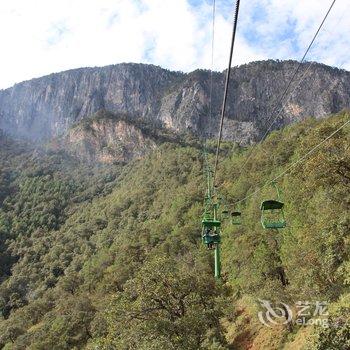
105	138
46	107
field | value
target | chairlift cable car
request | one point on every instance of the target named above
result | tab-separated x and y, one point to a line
272	213
236	218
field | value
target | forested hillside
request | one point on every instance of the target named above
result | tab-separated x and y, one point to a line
110	257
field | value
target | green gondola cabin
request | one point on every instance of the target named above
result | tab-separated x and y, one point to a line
225	214
210	236
236	218
272	214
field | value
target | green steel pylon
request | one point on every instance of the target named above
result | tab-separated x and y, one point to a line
211	222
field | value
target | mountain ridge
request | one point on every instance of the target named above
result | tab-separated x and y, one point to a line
46	107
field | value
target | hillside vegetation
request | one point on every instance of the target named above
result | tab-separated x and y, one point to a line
110	257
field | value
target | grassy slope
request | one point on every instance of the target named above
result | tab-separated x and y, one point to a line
84	242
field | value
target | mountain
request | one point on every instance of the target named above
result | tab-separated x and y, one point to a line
101	200
47	107
110	256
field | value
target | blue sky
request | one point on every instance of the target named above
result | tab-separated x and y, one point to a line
41	37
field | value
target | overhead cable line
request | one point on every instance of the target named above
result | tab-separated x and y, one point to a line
211	68
299	160
212	61
223	110
285	92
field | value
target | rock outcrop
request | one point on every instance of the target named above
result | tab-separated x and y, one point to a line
105	138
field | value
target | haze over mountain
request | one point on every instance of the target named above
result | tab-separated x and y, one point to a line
47	107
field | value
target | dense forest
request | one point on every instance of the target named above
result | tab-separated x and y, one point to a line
110	256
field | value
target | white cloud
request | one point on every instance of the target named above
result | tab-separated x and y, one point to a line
40	36
285	28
